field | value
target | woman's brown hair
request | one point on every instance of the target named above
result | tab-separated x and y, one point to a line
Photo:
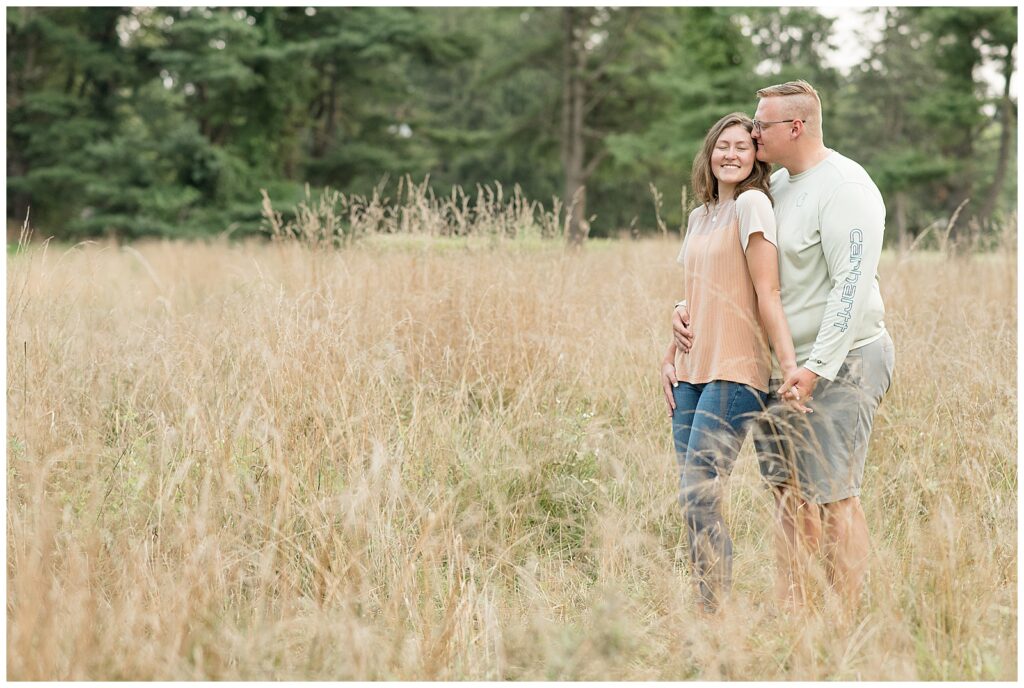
705	185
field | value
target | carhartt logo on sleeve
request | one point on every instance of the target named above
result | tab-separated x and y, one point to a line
850	285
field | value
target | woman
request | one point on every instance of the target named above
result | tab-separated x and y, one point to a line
714	389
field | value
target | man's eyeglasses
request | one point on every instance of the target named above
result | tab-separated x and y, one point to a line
758	125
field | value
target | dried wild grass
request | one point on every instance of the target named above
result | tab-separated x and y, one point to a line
414	461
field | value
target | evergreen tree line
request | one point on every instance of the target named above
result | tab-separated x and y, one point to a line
169	121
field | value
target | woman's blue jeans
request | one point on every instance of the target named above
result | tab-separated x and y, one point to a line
708	427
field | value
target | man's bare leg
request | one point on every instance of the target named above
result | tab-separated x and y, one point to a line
797	544
846	544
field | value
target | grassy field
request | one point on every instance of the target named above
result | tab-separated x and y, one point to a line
451	460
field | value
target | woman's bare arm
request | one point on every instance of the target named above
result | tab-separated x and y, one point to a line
763	263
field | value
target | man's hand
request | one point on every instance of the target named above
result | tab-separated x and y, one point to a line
668	381
798	388
681	329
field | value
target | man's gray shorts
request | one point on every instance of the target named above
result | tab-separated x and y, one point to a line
822	453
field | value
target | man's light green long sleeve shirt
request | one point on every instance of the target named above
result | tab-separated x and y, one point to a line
830	222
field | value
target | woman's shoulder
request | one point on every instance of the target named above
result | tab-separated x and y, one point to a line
702	209
753	198
696	214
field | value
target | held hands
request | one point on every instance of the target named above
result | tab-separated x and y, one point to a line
798	388
681	333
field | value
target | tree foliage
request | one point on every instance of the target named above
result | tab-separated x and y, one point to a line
169	121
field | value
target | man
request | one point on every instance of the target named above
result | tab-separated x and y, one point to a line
830	219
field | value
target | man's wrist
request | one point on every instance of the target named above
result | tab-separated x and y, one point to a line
814	370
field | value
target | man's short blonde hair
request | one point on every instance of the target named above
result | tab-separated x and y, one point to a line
800	101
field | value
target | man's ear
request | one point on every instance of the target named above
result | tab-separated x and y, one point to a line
797	129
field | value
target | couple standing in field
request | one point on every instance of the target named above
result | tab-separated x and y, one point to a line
788	259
